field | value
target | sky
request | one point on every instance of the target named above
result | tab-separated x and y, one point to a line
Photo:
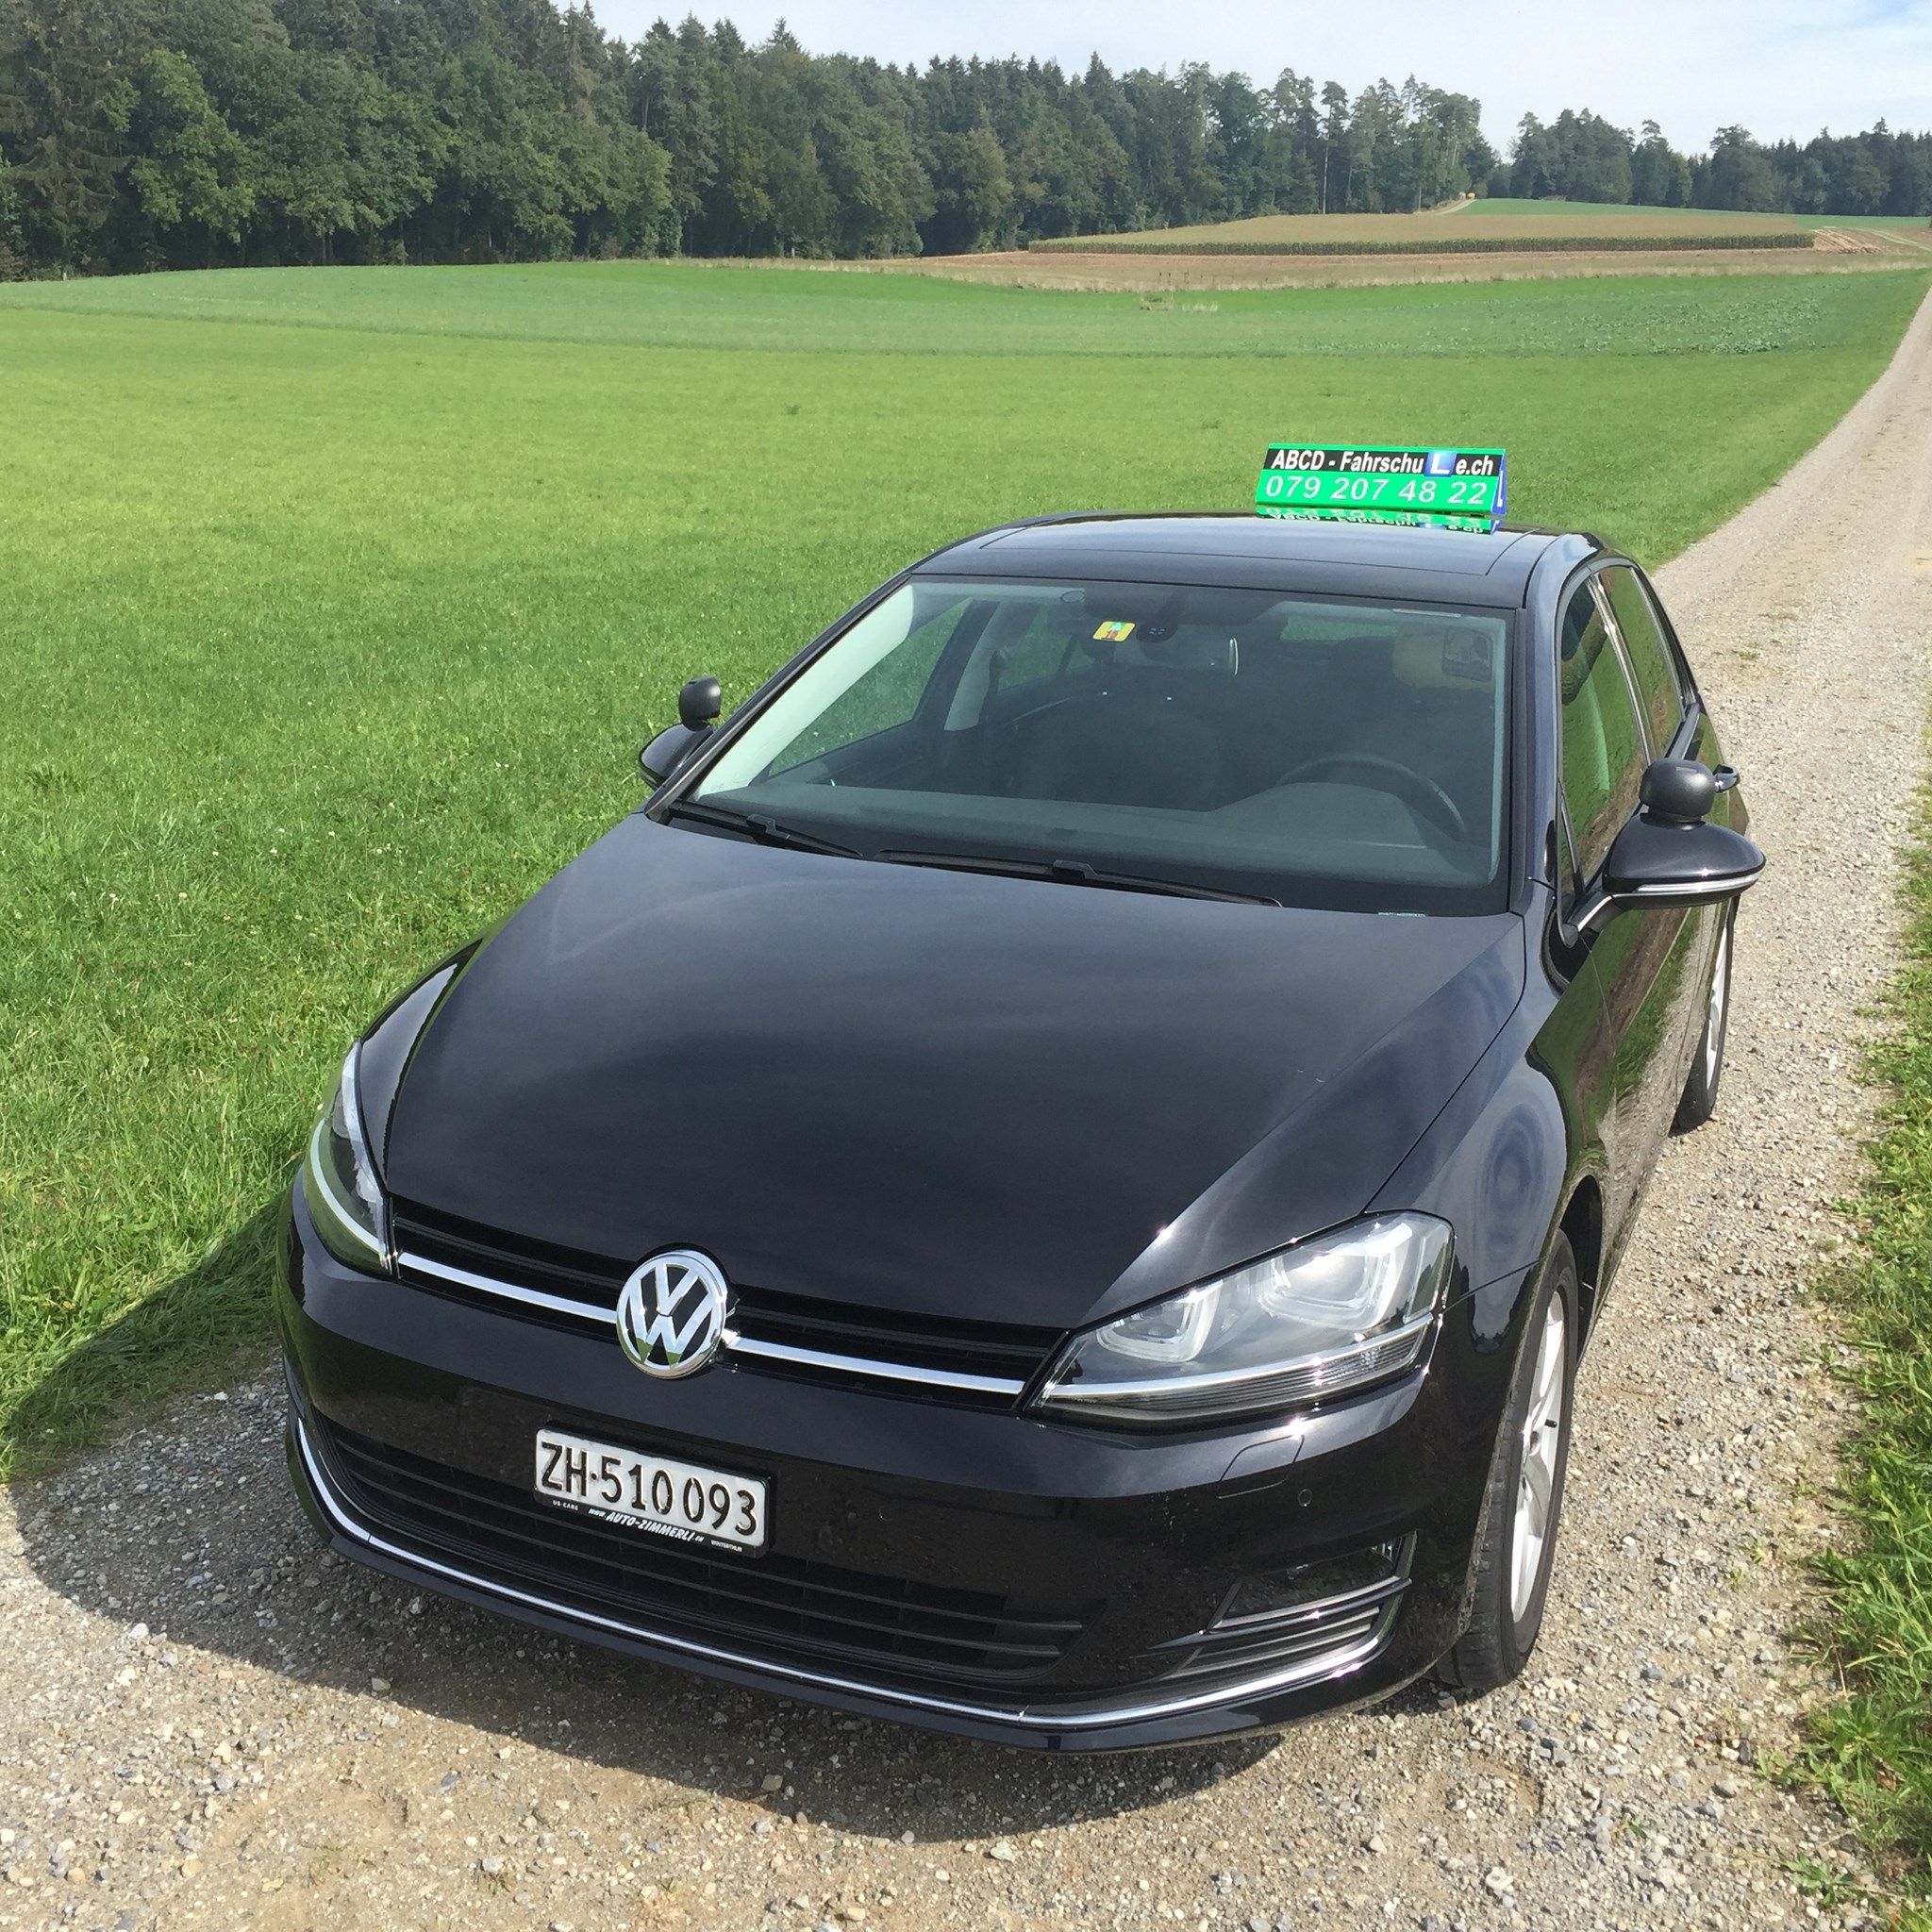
1779	67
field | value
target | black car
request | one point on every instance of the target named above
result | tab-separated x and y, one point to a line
1051	1181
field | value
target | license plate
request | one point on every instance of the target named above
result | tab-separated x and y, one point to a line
682	1500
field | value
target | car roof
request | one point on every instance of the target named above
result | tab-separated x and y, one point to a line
1242	550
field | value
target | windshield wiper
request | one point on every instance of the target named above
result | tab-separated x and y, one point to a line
1068	872
754	824
1063	872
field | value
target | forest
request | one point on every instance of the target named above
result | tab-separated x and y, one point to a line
1581	157
148	134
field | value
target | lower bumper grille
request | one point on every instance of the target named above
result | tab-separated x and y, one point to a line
783	1609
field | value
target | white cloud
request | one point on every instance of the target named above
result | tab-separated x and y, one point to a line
1778	67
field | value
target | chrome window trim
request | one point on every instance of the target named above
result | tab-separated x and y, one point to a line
736	1343
1313	1670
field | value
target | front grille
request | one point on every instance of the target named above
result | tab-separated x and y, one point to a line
985	1349
777	1607
590	1282
873	1347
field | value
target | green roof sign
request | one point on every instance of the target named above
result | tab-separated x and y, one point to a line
1447	488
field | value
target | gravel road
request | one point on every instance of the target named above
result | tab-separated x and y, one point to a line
203	1721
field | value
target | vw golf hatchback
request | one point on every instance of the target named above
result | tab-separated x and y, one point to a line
1052	1181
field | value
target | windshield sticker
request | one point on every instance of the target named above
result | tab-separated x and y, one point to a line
1113	632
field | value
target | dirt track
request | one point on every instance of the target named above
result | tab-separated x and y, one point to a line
1149	273
201	1723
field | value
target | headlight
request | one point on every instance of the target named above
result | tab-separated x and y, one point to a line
1329	1315
345	1200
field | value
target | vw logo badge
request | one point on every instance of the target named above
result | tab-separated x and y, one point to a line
671	1313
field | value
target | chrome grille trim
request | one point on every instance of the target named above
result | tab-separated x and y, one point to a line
734	1342
867	1365
533	1297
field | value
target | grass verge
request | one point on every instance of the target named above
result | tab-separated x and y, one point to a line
1872	1751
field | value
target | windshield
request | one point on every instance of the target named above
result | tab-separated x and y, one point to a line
1307	750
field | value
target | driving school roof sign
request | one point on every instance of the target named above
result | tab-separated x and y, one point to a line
1448	489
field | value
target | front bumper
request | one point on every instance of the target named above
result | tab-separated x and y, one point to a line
1038	1583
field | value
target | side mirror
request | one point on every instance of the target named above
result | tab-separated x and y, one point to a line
1678	791
698	704
1669	853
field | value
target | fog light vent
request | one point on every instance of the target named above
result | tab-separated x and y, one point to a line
1318	1618
1268	1596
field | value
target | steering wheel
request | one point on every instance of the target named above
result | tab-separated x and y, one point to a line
1423	792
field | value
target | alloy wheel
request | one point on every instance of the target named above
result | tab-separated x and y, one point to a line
1714	1013
1542	1439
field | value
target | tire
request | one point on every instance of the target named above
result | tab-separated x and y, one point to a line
1708	1068
1525	1500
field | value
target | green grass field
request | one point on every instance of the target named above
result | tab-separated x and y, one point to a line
1908	224
679	305
326	638
1715	216
1553	207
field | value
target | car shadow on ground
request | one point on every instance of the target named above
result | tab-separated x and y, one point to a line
188	1523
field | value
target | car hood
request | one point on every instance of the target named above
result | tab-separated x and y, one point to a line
928	1090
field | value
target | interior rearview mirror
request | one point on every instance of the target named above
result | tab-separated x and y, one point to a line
1669	853
698	706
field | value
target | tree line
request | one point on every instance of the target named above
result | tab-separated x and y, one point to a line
1583	157
141	134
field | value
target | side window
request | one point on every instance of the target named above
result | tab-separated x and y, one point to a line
1603	749
1650	656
